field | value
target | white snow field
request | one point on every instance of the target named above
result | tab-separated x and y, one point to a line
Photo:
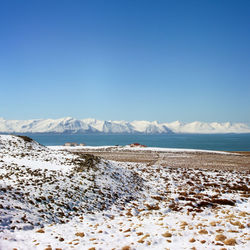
137	148
71	125
53	199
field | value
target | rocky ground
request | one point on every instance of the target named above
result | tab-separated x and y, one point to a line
53	199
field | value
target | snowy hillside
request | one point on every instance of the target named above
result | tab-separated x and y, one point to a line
52	199
71	125
54	186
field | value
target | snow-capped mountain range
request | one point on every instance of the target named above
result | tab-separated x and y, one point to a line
71	125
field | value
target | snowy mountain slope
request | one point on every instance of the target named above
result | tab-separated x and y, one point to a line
208	128
71	125
150	127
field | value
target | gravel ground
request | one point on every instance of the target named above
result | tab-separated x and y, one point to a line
239	161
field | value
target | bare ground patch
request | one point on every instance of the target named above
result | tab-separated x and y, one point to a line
235	161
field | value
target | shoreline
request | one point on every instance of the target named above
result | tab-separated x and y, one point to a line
176	158
231	142
155	149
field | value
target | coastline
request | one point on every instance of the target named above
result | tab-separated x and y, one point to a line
175	158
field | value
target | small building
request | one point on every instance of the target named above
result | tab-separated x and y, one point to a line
136	144
82	144
70	144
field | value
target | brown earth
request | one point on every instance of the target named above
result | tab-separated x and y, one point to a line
238	161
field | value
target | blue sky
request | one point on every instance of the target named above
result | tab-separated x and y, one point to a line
129	60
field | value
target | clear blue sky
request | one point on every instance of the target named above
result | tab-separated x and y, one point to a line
129	60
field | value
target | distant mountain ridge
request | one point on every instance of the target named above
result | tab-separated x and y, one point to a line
71	125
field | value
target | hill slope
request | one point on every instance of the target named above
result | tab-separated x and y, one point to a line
59	200
42	186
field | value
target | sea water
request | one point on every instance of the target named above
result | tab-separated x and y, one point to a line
227	142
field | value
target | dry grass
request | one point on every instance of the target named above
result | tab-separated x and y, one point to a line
203	231
40	231
126	248
220	237
167	234
25	138
239	161
80	234
230	242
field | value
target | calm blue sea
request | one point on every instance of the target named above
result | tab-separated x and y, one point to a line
227	142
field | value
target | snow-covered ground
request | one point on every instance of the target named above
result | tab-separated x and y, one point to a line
125	148
53	199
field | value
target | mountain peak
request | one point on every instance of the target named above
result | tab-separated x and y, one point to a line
72	125
68	118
